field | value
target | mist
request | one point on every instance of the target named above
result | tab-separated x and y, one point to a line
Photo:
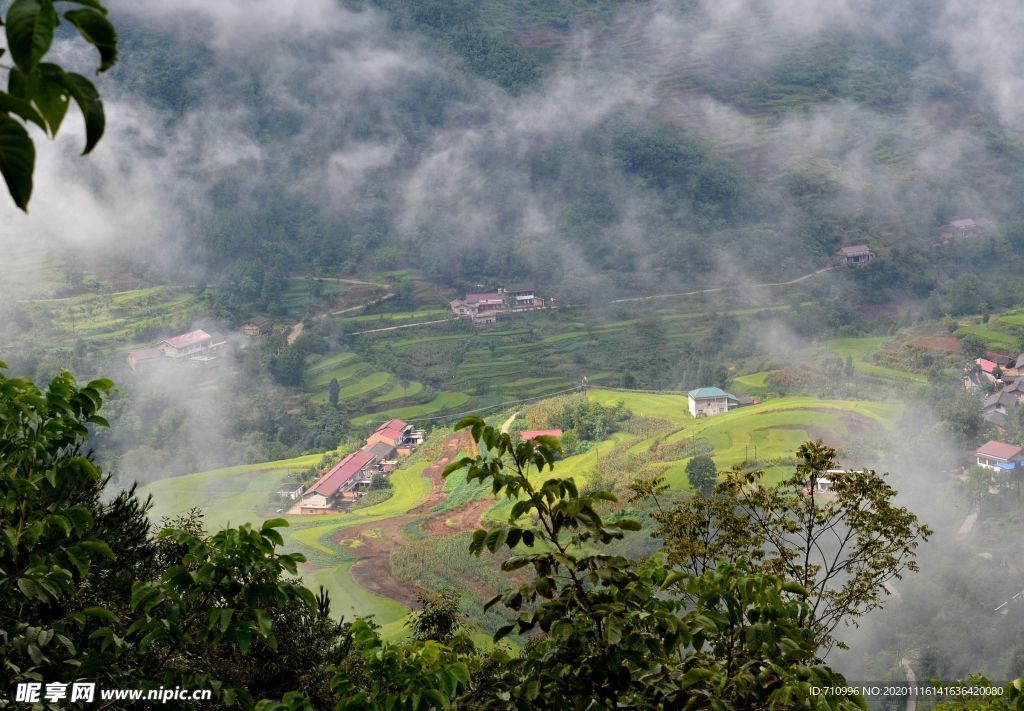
384	142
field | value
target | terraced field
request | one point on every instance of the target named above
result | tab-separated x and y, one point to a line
120	322
862	348
765	433
351	554
1004	332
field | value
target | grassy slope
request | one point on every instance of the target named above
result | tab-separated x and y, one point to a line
859	348
241	493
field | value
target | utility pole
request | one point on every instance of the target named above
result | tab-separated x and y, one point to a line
583	386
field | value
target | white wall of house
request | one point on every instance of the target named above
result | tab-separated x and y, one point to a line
708	406
318	501
990	462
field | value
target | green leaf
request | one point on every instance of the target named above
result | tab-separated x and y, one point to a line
503	632
20	107
100	613
46	93
263	621
97	31
30	25
17	160
88	100
29	588
628	524
275	523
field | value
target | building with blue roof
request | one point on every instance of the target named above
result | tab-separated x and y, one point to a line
705	402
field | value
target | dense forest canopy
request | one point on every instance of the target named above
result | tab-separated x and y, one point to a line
641	144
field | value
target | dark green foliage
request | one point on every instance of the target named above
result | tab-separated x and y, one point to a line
94	595
332	392
841	549
438	618
702	474
608	632
38	91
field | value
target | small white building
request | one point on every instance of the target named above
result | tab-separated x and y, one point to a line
290	489
998	456
706	402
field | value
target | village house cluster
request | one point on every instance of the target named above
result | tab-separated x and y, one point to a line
345	482
997	371
490	307
196	347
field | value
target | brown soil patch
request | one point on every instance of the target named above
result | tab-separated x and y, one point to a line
372	569
463	518
946	343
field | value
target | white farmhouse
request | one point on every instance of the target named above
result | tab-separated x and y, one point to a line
705	402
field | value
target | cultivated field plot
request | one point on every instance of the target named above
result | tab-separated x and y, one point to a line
118	322
1004	332
761	434
373	560
863	348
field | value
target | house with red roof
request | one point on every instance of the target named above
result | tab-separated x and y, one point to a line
488	307
999	456
343	477
986	365
186	344
392	432
196	346
856	255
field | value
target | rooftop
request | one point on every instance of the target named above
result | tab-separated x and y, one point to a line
986	365
964	224
701	393
998	450
340	473
381	450
854	249
187	339
484	298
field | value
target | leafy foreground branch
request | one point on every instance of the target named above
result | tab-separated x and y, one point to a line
88	592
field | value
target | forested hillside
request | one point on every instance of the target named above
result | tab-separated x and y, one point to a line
625	145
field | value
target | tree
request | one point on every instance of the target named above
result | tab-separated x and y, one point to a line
90	592
842	549
333	391
39	91
702	474
607	629
973	344
438	618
